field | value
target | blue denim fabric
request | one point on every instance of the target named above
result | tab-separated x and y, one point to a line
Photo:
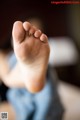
44	105
26	103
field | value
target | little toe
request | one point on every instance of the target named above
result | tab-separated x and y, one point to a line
43	38
18	32
37	33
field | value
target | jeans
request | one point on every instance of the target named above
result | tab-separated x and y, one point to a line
44	105
26	103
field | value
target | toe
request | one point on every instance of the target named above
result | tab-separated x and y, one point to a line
43	38
37	33
31	31
27	26
18	32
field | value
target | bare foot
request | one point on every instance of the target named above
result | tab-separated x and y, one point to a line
32	51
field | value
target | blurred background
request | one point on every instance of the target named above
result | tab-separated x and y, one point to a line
62	25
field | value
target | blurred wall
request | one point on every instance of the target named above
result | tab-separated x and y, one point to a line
54	17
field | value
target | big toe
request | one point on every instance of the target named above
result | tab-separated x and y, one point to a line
18	32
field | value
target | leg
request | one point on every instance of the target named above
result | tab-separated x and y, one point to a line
48	104
43	102
32	51
21	100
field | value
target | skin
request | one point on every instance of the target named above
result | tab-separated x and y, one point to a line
32	52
